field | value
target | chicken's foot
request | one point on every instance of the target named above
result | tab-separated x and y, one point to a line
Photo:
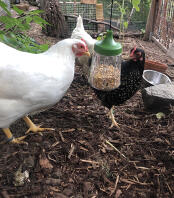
111	116
34	128
12	139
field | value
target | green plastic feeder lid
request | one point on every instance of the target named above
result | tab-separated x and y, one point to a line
107	46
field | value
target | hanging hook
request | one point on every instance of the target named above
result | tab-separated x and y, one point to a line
111	13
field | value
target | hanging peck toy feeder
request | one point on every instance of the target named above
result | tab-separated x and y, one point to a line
105	69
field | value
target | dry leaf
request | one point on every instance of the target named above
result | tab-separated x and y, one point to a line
45	163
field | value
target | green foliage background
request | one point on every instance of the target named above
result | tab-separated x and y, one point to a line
13	30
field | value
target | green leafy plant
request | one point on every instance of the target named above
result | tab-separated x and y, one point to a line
123	10
136	4
4	7
143	30
13	32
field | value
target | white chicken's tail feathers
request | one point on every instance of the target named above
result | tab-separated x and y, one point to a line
80	33
79	24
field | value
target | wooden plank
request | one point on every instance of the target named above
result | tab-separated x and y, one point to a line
88	1
99	12
100	17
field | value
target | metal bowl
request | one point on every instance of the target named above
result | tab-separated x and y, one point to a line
152	77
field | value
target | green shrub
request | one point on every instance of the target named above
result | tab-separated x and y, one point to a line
13	31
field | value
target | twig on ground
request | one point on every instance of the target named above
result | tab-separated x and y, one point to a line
68	131
55	144
84	149
115	187
141	167
130	181
51	158
171	192
61	136
71	151
116	149
89	161
129	185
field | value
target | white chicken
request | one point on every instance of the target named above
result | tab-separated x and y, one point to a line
80	33
33	82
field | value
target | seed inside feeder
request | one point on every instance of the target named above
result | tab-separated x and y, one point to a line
106	77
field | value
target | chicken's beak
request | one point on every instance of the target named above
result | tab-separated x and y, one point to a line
125	57
130	58
86	53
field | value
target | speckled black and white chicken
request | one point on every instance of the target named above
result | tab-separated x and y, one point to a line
33	82
131	78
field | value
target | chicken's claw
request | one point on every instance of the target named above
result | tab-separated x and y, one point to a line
19	140
11	139
37	129
34	128
111	116
114	123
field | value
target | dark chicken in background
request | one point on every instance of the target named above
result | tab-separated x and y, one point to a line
131	72
131	79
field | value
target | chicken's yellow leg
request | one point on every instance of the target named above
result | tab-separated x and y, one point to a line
111	116
33	127
12	139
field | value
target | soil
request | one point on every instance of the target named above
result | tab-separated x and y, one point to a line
85	158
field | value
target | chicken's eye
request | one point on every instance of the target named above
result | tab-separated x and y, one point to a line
81	46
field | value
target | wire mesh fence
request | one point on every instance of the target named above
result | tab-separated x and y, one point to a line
76	8
164	23
137	20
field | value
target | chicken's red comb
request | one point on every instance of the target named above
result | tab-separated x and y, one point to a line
133	51
84	42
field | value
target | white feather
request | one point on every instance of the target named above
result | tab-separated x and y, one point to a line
30	82
80	33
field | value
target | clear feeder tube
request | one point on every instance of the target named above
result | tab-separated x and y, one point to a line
105	72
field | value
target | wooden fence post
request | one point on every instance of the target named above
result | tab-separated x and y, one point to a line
150	20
